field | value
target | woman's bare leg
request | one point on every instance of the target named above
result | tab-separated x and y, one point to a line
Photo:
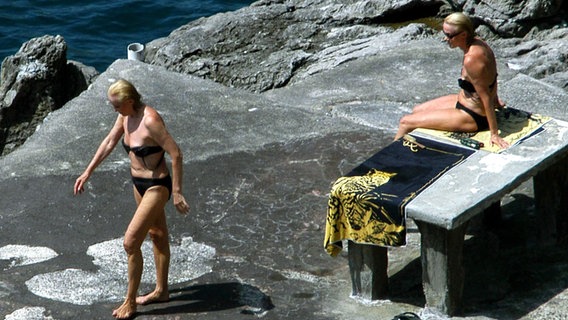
150	207
443	102
160	240
440	113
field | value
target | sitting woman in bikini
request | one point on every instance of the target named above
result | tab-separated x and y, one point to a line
473	108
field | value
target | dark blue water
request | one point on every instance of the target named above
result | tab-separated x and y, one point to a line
97	32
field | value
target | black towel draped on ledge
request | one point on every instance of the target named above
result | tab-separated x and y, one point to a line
367	205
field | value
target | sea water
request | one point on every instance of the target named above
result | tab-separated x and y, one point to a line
97	32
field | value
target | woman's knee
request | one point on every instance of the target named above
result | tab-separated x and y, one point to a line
158	234
131	245
405	121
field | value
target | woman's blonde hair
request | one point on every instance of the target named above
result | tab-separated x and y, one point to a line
124	90
462	23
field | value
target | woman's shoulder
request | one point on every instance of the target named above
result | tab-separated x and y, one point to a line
478	53
481	47
152	118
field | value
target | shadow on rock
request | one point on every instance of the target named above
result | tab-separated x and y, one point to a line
215	297
506	265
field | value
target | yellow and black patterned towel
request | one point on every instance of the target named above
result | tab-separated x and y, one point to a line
367	205
514	126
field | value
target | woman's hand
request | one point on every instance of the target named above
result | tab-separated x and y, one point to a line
179	202
80	183
496	139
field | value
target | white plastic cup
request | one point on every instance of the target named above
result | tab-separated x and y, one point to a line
136	51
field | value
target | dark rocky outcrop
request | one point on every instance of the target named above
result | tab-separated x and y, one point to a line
514	18
274	42
265	45
35	81
542	55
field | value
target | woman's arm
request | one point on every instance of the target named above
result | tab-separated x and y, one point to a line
476	71
105	148
160	134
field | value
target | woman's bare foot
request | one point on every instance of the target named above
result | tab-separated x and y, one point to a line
125	311
153	297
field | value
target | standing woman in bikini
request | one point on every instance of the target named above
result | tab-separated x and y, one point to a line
473	108
146	141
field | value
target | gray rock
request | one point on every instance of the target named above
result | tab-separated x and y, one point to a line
35	81
543	55
272	44
265	45
513	18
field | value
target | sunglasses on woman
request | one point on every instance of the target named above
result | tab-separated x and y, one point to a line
451	36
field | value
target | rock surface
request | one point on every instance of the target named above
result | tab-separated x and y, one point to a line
274	43
544	56
35	81
258	166
258	170
511	18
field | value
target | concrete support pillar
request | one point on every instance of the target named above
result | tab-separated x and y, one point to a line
376	259
442	267
551	203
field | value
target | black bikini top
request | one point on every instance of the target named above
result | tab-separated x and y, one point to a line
468	86
142	151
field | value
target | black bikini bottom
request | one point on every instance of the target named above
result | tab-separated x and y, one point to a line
480	120
143	184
